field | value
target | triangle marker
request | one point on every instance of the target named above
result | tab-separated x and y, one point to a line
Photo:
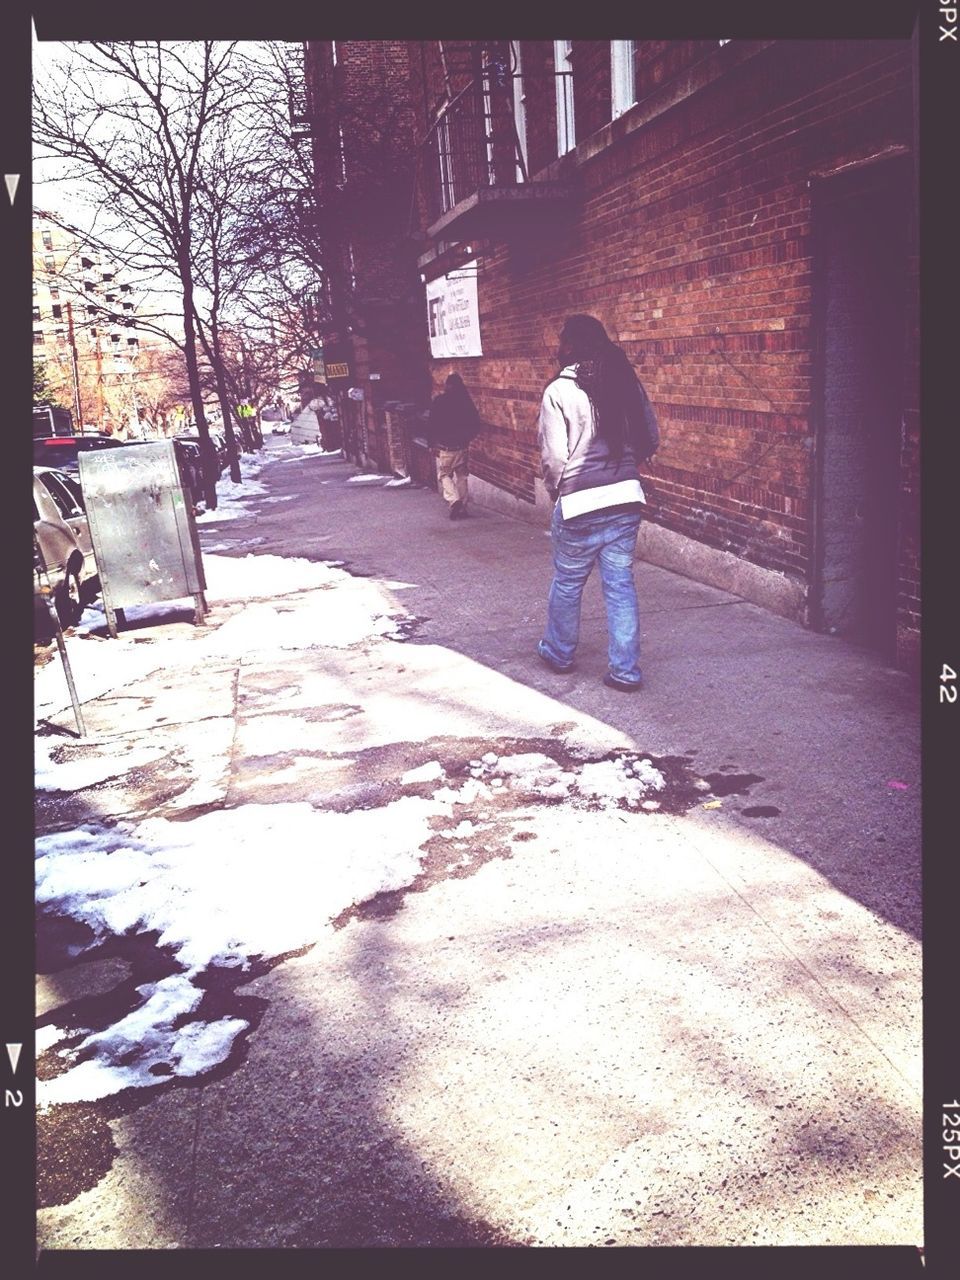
13	181
13	1053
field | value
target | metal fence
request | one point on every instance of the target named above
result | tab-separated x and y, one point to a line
474	142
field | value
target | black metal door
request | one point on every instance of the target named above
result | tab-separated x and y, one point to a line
860	225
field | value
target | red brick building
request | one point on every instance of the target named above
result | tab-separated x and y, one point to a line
742	217
368	310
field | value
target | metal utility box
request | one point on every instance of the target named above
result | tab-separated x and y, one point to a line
142	524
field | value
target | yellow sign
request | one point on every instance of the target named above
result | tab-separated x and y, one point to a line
338	371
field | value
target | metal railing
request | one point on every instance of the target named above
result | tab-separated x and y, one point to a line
474	142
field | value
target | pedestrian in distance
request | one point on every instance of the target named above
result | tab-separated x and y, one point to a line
453	423
596	426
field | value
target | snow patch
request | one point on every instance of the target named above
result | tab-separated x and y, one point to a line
259	880
605	781
87	770
425	773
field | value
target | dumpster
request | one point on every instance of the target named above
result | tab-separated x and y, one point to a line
140	513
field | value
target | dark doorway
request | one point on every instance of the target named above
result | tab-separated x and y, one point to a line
860	228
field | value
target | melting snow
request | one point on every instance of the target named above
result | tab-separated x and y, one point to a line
74	775
312	617
425	773
260	880
604	780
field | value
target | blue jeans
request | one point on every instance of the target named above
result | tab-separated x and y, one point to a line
611	539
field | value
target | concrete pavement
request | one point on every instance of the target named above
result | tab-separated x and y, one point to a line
695	1023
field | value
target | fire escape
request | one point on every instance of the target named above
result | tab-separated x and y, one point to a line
473	175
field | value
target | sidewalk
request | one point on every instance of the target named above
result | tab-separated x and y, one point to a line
453	950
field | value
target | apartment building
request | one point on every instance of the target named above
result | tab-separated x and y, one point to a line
82	317
742	217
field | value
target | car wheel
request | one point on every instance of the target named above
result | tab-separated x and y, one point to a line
68	599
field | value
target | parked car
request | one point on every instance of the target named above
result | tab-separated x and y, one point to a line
61	451
280	428
63	535
193	440
220	441
188	454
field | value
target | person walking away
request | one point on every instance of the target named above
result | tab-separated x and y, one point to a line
596	425
452	424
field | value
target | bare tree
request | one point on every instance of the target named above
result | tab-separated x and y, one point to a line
277	243
162	383
132	120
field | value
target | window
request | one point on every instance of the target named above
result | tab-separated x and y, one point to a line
67	504
623	88
49	262
37	338
563	65
57	311
61	338
73	489
54	293
519	109
36	313
47	240
489	73
447	200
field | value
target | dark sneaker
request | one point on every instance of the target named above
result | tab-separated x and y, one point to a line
456	510
625	686
554	666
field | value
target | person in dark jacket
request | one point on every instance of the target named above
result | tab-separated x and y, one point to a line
596	426
453	423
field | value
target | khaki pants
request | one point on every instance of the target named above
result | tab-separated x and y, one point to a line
452	475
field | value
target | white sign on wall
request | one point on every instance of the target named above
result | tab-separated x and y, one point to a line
453	316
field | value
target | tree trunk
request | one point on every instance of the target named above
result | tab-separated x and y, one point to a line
208	453
224	398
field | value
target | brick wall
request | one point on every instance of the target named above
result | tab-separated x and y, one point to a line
591	86
692	241
541	111
660	62
693	246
